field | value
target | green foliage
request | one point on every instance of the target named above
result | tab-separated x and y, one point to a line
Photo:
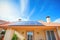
3	32
15	37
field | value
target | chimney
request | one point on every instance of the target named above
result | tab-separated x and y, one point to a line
48	19
19	19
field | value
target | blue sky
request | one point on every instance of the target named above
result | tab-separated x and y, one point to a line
13	10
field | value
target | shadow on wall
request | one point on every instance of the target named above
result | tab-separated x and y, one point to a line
13	35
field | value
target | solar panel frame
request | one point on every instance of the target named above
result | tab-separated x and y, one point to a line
27	23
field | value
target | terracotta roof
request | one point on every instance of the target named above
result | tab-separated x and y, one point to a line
6	23
50	24
3	23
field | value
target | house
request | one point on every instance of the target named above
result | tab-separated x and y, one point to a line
32	30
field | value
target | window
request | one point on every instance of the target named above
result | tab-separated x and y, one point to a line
29	35
50	35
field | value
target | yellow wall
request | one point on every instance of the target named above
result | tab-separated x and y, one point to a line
22	32
39	35
58	32
9	34
39	32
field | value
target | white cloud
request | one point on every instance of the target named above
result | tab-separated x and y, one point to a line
57	20
23	6
31	13
9	12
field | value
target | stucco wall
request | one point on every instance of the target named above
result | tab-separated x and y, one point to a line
22	33
9	34
58	31
39	35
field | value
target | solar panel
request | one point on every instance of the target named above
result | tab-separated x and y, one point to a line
26	23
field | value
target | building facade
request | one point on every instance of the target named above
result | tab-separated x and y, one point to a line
32	30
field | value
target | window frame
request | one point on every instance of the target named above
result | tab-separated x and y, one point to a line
50	34
32	34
